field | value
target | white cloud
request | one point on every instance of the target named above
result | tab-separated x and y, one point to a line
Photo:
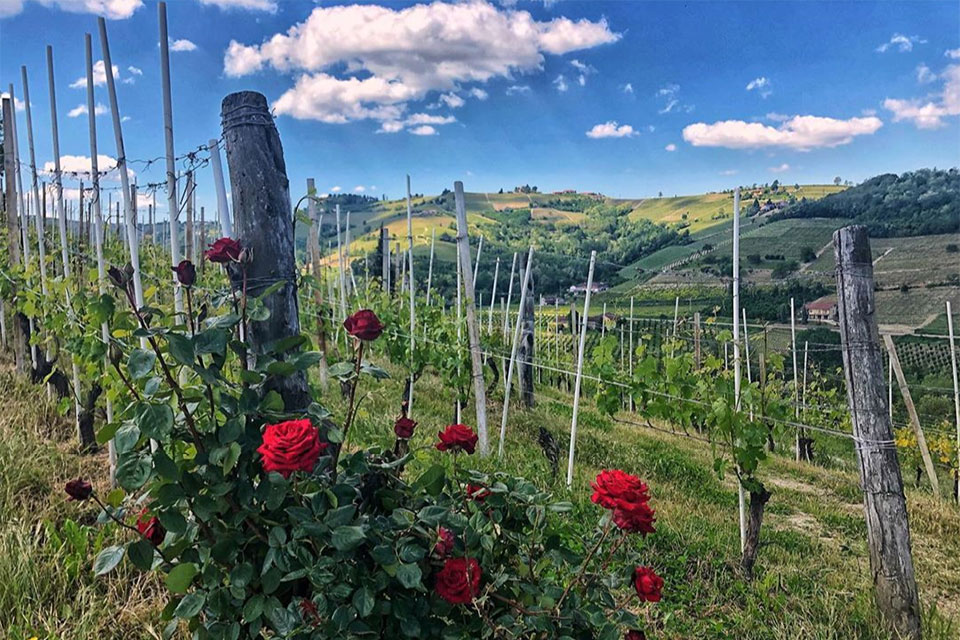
929	112
952	53
802	133
924	74
479	93
560	83
99	76
515	89
335	189
584	71
728	172
248	5
424	130
611	129
359	188
627	88
81	166
452	100
783	167
671	102
868	112
18	104
901	42
182	45
81	110
109	9
761	85
776	117
402	55
414	120
134	71
670	147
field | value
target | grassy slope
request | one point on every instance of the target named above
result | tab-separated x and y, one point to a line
813	578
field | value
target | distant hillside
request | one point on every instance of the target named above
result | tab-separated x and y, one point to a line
922	202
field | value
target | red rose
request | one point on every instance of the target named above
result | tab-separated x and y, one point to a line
78	489
224	250
477	492
457	437
309	612
635	634
445	542
364	324
404	427
290	446
458	582
150	528
614	488
186	273
647	583
638	518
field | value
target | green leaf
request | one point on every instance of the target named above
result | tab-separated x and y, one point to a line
140	554
181	349
341	370
281	368
140	363
226	321
373	370
190	606
346	538
273	401
253	607
107	560
432	480
364	601
133	471
409	575
210	341
107	432
126	437
155	420
180	577
230	459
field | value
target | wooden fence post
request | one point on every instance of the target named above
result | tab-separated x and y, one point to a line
316	223
262	220
912	412
884	503
476	357
579	379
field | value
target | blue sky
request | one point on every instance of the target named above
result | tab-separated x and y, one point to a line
626	98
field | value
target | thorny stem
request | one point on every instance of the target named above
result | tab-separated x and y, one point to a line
132	389
123	524
586	563
358	360
193	333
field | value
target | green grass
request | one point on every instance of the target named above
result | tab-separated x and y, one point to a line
812	578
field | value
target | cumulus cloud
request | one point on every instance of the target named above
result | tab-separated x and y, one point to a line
924	74
479	93
99	76
627	88
182	45
801	133
776	117
516	89
109	9
452	100
611	129
402	55
359	188
248	5
415	120
929	112
424	130
761	85
81	166
81	110
560	83
670	147
583	70
780	169
335	189
952	53
901	42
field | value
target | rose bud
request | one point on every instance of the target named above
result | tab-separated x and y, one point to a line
224	250
404	427
150	528
78	489
457	437
246	255
647	584
364	325
186	273
635	634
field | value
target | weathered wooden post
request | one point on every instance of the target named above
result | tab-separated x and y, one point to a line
21	325
264	226
188	234
576	392
476	357
884	503
316	222
525	359
515	344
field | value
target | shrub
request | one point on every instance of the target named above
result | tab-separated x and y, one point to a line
264	524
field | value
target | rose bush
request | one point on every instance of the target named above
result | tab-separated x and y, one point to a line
264	525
